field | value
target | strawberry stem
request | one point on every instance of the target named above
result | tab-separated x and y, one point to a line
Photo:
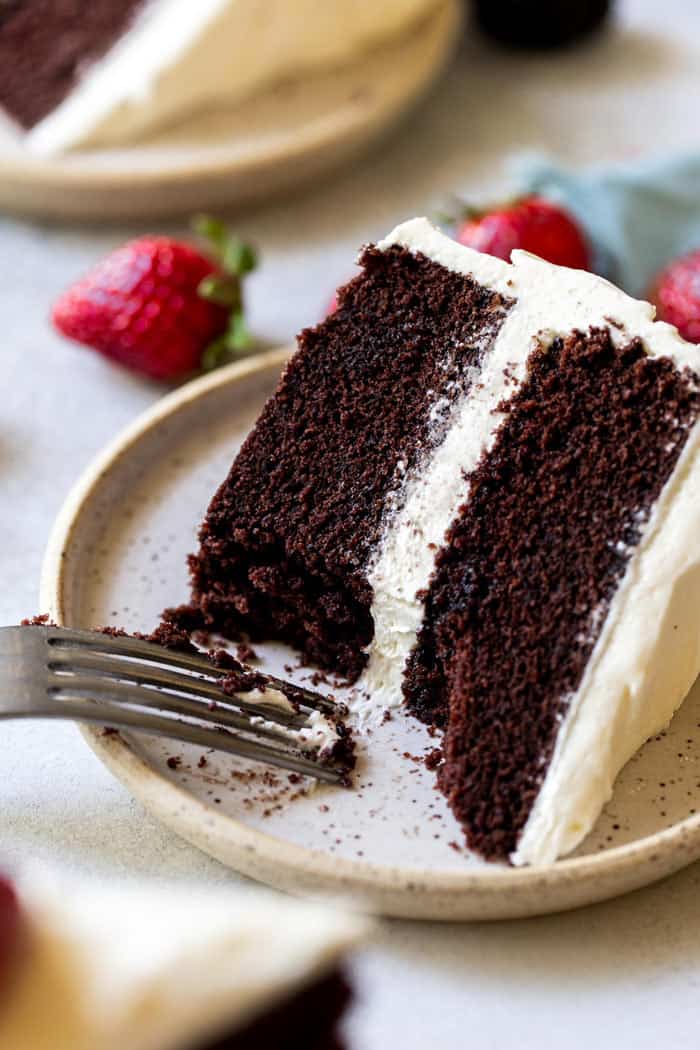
238	336
236	259
455	211
219	290
212	230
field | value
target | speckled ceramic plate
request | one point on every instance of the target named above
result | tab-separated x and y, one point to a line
117	555
271	142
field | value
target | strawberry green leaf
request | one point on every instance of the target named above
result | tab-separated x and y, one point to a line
238	257
213	230
235	340
220	290
216	354
238	336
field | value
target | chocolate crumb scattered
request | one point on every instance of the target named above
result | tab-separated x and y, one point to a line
433	758
246	653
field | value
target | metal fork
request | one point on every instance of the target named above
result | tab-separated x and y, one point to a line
125	683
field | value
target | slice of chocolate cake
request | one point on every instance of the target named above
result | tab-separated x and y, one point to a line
476	489
101	966
107	72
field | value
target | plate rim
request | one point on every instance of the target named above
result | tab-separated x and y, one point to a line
402	891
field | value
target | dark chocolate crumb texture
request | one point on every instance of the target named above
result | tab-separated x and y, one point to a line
287	538
523	585
46	45
476	487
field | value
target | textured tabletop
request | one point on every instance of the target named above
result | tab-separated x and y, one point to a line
622	974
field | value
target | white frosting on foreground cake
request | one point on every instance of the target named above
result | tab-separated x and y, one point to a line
157	968
648	653
179	57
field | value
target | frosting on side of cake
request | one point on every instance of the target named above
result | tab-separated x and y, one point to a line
178	57
643	665
549	301
159	968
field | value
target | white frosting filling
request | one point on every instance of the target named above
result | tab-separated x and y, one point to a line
269	697
179	57
318	733
648	653
159	968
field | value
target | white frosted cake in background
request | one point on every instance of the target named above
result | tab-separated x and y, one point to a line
163	968
107	73
475	494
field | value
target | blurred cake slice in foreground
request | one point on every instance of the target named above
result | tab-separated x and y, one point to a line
154	967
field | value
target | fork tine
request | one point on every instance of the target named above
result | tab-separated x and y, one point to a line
80	709
123	645
79	661
88	686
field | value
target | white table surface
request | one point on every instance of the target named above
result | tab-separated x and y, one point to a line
621	974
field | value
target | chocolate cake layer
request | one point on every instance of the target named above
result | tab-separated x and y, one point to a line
45	45
308	1021
522	588
287	538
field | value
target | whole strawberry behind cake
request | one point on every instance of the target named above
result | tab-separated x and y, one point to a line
473	494
162	307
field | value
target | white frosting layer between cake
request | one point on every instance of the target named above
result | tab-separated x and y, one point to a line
180	56
157	968
648	653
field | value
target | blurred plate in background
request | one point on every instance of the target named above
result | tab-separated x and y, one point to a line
269	143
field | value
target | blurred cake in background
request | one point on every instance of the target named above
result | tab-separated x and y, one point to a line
108	72
88	967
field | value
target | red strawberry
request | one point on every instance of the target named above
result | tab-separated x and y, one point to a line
160	306
532	223
10	923
676	295
332	306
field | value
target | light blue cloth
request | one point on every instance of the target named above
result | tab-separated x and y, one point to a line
638	216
